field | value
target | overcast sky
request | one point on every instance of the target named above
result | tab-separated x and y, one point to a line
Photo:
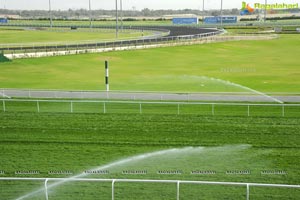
129	4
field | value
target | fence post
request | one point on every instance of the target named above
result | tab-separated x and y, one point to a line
113	189
4	106
283	110
248	110
248	192
46	189
38	106
140	108
178	190
71	106
213	109
104	108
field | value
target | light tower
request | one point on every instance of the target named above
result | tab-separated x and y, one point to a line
121	9
90	13
50	14
221	12
203	12
117	20
265	17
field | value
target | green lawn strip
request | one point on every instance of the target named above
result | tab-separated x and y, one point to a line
266	66
77	142
61	36
175	108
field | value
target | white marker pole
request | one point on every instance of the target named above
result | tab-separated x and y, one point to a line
106	76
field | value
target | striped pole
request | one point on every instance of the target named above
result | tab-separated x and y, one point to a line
106	76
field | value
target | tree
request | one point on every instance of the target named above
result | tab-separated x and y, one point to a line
146	12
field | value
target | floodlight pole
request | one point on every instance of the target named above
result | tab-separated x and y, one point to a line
121	9
203	12
266	2
50	14
221	12
90	10
117	20
106	76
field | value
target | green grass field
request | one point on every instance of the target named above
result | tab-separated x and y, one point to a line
78	142
27	36
267	66
196	138
163	107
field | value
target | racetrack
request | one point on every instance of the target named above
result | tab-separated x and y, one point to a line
173	32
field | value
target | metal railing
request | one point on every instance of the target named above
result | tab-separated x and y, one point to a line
155	33
149	95
106	44
177	182
148	107
150	42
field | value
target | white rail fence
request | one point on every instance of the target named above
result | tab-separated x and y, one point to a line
147	95
149	107
98	44
42	51
247	186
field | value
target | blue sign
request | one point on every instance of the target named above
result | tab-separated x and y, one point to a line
188	20
3	21
217	20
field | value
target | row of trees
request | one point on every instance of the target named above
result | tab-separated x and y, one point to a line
81	13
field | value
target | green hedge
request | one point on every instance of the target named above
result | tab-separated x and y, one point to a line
3	58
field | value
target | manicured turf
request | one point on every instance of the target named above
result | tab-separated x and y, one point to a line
78	142
26	36
57	140
267	66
